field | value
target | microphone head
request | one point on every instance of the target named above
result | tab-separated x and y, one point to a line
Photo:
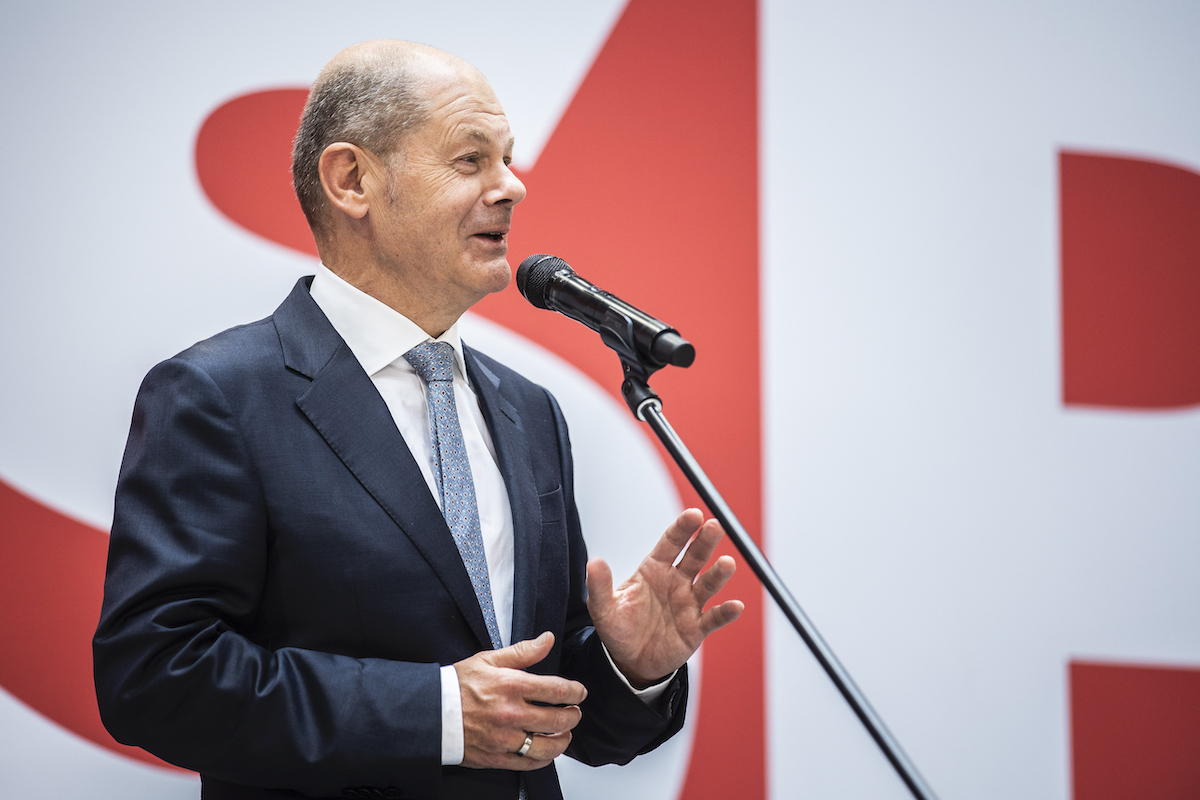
533	277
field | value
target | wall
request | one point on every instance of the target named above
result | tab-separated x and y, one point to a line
959	525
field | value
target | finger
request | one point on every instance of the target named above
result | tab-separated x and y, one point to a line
552	691
676	536
701	549
542	750
522	654
599	586
714	579
551	720
550	747
718	617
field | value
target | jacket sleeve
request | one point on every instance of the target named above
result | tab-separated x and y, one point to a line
176	673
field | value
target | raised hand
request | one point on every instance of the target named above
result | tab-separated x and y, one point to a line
655	620
499	711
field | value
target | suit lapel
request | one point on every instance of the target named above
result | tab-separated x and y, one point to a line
512	451
346	409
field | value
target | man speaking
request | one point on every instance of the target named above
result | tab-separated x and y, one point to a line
346	559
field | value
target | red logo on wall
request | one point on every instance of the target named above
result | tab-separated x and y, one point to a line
651	181
1131	339
1130	282
1135	731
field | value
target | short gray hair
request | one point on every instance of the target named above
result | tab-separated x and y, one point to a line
371	102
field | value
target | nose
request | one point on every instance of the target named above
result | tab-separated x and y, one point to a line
506	188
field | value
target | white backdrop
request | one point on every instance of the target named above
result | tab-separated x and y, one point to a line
954	531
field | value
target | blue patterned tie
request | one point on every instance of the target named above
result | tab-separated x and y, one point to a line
434	362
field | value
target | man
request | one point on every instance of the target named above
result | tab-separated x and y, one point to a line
346	558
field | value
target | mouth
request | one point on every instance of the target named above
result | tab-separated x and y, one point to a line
495	236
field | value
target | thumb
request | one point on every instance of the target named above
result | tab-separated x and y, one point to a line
599	585
524	653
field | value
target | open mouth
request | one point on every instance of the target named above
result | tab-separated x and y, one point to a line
494	236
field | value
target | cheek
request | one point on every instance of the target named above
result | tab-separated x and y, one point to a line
450	191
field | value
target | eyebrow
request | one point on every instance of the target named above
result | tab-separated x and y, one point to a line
481	136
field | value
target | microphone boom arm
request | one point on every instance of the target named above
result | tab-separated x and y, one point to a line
647	407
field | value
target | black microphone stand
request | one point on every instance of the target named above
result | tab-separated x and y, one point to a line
647	406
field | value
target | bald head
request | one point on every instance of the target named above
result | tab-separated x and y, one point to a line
371	95
384	55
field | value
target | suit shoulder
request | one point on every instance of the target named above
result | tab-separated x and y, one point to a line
235	360
249	342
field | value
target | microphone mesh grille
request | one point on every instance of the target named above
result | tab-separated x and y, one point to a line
533	276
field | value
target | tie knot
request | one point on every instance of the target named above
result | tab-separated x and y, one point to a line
433	361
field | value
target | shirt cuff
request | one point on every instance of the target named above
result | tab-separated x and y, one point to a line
648	695
452	718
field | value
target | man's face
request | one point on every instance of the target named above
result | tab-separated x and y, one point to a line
442	222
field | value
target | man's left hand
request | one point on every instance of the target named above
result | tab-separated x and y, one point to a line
655	620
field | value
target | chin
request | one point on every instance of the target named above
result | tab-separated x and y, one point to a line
499	276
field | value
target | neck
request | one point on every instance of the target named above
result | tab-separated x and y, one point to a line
426	308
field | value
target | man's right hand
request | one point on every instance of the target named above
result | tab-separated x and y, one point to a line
499	707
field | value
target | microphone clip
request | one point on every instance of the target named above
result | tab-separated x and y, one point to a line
636	391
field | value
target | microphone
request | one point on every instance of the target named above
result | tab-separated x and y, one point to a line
549	282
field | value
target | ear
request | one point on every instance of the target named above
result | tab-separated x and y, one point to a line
346	172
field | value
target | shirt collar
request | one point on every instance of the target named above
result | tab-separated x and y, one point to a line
376	333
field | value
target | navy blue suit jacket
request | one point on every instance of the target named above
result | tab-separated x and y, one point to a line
282	588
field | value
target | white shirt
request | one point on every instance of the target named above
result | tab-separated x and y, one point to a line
379	336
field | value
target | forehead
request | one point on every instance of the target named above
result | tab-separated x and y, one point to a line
464	107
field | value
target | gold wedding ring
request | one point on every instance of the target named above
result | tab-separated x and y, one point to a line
525	747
